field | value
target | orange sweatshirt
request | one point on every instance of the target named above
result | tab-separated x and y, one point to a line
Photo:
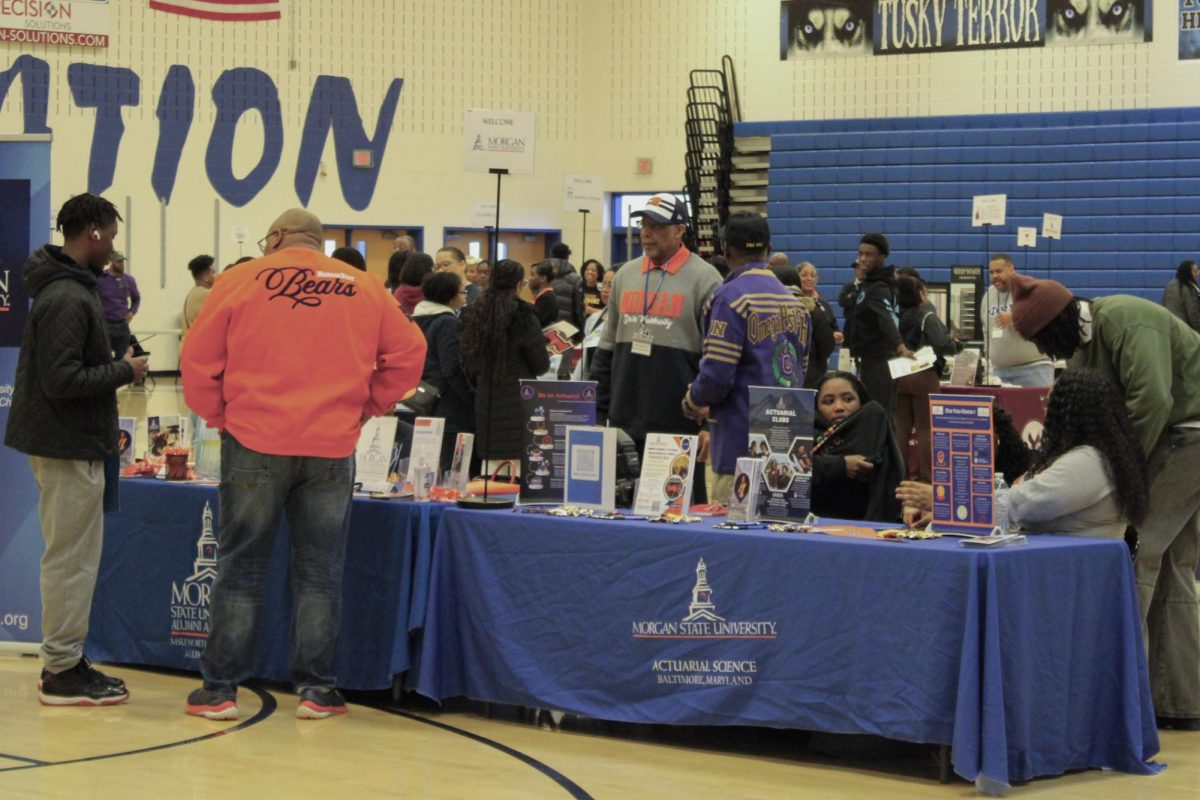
292	349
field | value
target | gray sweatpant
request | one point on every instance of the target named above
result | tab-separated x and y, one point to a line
1168	549
71	509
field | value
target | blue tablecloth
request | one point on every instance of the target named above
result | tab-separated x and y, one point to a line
155	574
1027	660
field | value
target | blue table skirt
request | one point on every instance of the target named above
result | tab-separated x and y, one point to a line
1027	660
151	595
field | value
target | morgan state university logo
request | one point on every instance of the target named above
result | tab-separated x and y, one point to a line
189	600
702	620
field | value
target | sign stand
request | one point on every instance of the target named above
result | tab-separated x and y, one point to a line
583	238
494	249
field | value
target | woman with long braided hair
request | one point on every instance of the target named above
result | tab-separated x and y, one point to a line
502	344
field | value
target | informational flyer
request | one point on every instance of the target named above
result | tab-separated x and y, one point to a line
963	463
460	463
126	438
373	454
426	452
781	436
162	431
591	477
665	486
742	505
550	406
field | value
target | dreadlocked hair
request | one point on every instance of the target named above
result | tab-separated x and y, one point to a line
1061	336
1086	409
83	210
486	322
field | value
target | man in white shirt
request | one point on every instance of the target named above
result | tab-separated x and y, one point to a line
1013	359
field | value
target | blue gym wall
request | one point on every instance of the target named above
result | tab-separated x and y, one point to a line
1125	182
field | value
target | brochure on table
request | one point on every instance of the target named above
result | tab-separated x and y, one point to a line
127	439
460	463
665	486
549	407
425	455
781	436
164	431
373	454
591	475
962	463
742	505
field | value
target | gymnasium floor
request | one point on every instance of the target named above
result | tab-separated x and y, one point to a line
150	748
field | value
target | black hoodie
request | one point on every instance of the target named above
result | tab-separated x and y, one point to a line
64	401
875	333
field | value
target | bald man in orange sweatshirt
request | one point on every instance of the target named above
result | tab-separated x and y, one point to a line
291	353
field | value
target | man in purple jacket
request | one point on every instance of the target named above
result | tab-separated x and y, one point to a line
120	299
758	335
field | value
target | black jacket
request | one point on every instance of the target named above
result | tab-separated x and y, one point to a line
875	332
824	326
64	401
499	420
921	326
568	290
444	367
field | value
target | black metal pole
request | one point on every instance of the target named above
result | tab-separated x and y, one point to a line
583	238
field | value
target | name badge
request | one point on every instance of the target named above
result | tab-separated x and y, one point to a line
997	331
643	342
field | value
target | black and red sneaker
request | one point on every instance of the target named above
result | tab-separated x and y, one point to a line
211	705
81	685
320	703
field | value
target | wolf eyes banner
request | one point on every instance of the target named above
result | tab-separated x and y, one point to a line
822	28
1189	29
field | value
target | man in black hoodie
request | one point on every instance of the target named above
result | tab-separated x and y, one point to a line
875	336
64	417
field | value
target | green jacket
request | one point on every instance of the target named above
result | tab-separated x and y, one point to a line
1152	355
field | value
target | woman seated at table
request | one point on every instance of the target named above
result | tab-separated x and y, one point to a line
856	461
1088	475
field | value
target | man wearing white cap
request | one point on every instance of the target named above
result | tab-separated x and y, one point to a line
649	351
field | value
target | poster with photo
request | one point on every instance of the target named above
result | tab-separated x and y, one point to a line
162	431
460	463
962	463
550	406
126	439
781	436
668	464
373	454
742	505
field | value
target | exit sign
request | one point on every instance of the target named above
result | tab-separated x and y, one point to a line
644	166
362	158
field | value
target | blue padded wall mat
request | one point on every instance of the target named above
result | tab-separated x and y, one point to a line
1127	184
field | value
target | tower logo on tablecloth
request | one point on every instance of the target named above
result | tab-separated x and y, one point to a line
702	620
189	600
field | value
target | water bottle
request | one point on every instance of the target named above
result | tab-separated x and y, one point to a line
420	487
1001	504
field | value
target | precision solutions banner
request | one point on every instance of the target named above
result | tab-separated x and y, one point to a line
821	28
25	209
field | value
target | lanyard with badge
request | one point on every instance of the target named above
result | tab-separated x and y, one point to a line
643	339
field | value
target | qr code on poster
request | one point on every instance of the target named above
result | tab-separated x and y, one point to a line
585	463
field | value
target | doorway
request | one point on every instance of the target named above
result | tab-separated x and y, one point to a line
375	242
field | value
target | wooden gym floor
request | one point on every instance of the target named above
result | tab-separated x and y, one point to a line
150	748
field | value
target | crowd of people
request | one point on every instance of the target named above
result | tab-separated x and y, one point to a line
672	341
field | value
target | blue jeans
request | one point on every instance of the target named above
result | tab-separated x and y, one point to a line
256	489
1029	375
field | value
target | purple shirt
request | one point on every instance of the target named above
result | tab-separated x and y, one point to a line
119	295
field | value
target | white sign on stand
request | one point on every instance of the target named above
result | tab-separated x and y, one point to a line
583	191
1026	237
241	234
485	211
988	209
1052	226
499	140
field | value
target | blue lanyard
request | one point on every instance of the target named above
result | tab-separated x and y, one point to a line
646	301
